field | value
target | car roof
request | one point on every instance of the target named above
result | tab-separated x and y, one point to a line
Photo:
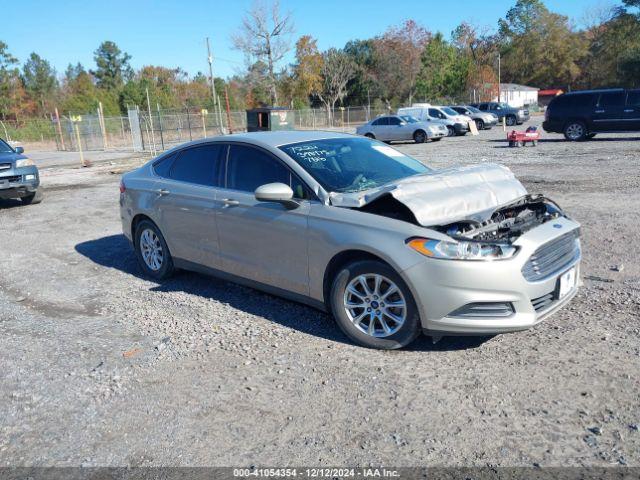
597	90
272	139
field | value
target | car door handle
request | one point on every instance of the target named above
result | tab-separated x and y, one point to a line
229	202
628	110
162	192
599	111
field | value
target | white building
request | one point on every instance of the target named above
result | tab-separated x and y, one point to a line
518	95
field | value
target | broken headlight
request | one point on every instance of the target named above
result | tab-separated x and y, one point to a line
461	250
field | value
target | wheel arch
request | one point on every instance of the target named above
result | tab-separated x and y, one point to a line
136	220
342	259
576	119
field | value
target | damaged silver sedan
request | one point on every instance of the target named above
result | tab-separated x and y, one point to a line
353	226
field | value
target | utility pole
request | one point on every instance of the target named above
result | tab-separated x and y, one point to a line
216	104
499	93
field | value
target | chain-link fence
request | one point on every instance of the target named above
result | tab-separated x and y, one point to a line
158	130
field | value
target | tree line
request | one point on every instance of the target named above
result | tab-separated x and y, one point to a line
406	63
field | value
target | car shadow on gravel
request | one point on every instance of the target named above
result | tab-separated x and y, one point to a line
115	252
6	204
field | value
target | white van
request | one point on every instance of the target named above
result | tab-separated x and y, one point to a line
456	124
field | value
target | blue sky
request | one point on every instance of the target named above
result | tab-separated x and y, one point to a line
171	33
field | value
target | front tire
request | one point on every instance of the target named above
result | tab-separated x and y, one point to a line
373	306
419	136
575	131
152	251
511	120
479	124
33	199
450	131
370	135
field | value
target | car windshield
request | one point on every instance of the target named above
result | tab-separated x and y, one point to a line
352	164
409	119
472	109
449	111
4	147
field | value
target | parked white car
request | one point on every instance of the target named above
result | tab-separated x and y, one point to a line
391	128
455	124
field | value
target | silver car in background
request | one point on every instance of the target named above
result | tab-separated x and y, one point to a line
396	128
483	120
352	226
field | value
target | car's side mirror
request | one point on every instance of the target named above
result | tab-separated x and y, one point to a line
276	192
19	149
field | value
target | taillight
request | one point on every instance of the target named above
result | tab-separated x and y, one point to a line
122	187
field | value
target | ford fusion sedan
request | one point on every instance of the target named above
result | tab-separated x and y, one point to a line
390	128
349	225
19	177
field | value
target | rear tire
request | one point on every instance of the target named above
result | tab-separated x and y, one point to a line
33	199
575	131
152	251
343	303
370	135
419	136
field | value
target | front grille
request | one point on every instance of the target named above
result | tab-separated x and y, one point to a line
552	257
12	179
5	166
483	310
543	302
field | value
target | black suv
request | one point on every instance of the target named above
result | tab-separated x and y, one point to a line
582	114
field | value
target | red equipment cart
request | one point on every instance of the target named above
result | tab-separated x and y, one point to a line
520	139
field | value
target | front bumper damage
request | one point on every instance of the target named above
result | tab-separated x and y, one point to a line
442	288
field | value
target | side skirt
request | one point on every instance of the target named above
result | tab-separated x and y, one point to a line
278	292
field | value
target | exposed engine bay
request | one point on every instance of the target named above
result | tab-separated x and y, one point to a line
507	223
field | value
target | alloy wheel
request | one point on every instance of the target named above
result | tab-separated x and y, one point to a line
151	249
575	131
375	305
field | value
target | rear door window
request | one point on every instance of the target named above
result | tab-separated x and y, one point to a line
394	121
611	99
198	165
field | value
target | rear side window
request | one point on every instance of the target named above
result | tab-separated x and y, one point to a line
197	165
611	99
163	166
633	99
381	121
248	168
394	121
578	100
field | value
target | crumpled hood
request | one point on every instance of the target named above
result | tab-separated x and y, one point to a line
446	196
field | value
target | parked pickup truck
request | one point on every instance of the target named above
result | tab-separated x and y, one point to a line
512	115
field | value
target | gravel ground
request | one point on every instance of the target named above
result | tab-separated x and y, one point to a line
103	367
